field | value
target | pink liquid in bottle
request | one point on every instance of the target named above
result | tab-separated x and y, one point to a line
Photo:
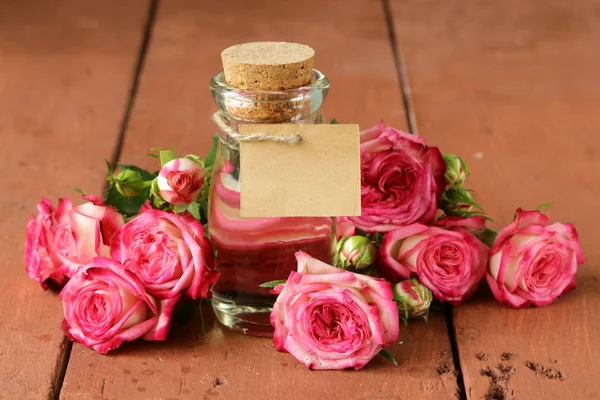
252	251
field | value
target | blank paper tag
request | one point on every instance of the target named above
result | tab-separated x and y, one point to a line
319	176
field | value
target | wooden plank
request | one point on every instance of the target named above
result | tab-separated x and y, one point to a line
512	86
65	75
173	108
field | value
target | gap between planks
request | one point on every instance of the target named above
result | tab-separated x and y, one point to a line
63	361
412	126
152	11
400	68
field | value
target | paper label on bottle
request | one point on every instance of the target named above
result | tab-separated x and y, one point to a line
320	176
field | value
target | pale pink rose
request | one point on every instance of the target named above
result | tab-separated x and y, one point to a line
328	318
531	262
106	305
402	180
180	181
60	240
448	258
168	252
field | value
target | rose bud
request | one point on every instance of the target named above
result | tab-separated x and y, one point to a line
402	180
328	318
533	263
180	181
447	257
106	305
168	252
413	299
129	182
355	252
456	170
60	240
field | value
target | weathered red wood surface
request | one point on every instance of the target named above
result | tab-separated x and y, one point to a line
173	109
513	87
65	73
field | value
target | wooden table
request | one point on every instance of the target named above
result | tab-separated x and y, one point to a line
513	86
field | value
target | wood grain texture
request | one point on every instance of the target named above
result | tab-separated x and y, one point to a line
65	73
222	364
173	109
512	87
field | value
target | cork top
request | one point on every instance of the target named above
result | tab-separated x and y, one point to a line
268	65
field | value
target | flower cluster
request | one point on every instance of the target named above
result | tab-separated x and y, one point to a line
127	259
121	279
421	237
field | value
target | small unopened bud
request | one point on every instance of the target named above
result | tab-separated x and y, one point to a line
456	170
413	298
129	183
355	252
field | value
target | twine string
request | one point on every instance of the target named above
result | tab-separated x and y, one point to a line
220	121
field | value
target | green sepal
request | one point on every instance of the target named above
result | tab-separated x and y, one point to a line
166	155
451	161
272	284
197	159
80	191
111	170
458	201
388	357
545	205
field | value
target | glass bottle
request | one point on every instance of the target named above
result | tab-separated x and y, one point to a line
252	251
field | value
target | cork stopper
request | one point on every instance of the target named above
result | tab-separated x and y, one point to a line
269	66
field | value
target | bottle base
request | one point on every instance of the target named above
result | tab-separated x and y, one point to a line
247	319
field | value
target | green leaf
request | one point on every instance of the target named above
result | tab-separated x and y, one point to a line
334	121
388	357
145	175
272	284
128	206
209	161
488	236
545	205
111	170
167	155
194	209
80	191
204	211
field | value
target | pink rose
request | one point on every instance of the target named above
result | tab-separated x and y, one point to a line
168	252
531	262
106	305
60	240
333	319
180	181
447	257
344	227
402	180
